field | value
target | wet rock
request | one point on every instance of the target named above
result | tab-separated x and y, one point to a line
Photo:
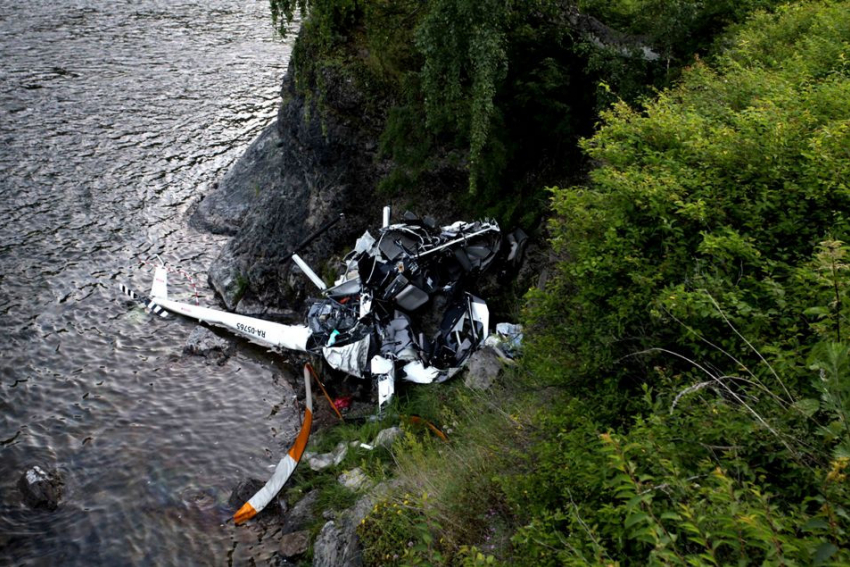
355	479
226	278
294	544
203	342
324	460
256	171
301	514
386	437
483	368
41	489
243	492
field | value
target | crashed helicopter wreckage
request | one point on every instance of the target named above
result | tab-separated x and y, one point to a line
372	322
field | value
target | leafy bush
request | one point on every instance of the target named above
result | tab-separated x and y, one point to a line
709	206
699	311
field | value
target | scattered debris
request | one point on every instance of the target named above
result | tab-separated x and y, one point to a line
511	336
506	341
354	480
401	307
41	489
322	461
387	437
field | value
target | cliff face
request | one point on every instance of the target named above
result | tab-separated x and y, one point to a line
305	169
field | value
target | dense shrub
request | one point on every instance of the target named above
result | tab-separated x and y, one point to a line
705	218
700	312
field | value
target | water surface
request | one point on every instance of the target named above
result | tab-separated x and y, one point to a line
114	118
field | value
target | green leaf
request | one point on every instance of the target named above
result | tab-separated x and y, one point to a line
815	524
824	552
635	518
807	407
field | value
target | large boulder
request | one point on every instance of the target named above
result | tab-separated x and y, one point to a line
483	368
41	489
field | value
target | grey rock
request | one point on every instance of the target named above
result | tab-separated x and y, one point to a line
256	171
227	278
41	489
329	549
386	437
294	544
483	368
243	492
338	544
301	514
322	461
355	479
203	342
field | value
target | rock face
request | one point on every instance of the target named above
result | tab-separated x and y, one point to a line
259	169
300	173
41	489
483	368
315	162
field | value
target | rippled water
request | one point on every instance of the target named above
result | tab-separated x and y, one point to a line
115	116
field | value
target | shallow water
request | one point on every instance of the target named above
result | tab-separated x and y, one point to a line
114	118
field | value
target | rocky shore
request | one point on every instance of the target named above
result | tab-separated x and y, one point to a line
313	163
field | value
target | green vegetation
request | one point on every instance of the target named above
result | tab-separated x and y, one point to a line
698	316
685	391
498	92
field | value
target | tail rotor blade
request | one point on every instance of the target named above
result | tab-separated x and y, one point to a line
145	302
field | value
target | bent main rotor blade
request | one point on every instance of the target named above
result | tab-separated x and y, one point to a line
285	467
